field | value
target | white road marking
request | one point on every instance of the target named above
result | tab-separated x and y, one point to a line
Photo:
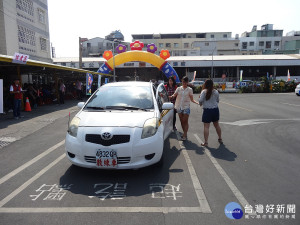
8	139
241	123
30	181
256	121
205	208
289	104
29	163
227	179
249	110
289	93
102	209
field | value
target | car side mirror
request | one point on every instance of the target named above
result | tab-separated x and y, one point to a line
80	105
167	106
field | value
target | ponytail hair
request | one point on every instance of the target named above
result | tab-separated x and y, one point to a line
209	86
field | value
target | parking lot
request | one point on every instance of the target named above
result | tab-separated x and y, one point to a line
257	165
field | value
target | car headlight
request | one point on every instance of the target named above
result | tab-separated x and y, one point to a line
150	128
73	126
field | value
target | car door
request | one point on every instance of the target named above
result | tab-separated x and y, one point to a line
166	116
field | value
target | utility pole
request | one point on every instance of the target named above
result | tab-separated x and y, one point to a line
212	63
114	76
80	53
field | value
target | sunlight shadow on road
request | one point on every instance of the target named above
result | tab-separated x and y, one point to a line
222	153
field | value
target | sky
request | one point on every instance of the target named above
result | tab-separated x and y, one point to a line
71	19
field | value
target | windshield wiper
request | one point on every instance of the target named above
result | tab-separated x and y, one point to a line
125	108
95	107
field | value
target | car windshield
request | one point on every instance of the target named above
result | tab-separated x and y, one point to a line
120	97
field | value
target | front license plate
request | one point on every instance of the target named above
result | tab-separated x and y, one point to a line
106	158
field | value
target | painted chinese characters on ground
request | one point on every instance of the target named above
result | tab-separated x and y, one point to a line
110	191
51	192
165	191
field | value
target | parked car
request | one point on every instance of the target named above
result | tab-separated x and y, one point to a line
297	90
122	126
197	83
244	83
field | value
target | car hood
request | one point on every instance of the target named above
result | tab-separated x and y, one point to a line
114	118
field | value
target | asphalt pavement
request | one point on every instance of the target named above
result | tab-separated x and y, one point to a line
257	166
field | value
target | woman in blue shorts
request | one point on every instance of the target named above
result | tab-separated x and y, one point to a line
209	99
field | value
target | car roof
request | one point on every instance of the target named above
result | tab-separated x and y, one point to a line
128	83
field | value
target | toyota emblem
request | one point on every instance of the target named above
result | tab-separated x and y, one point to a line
106	136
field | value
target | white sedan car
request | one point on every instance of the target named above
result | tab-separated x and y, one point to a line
122	126
297	90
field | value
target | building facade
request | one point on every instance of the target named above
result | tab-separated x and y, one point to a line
95	47
24	28
268	41
192	44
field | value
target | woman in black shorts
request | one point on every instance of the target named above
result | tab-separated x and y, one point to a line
209	99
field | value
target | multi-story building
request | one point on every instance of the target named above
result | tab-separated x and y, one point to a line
192	44
291	42
261	41
24	28
95	47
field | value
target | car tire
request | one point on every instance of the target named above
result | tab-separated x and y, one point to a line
297	94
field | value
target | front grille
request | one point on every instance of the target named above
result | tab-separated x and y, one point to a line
121	160
116	139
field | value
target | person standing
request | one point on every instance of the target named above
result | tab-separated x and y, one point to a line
62	90
184	95
209	99
79	89
171	88
16	90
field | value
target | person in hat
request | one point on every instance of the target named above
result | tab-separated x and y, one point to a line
16	90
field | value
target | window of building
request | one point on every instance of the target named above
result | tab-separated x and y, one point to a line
43	42
236	44
26	36
176	45
224	35
212	36
88	45
161	45
175	63
251	43
63	64
182	64
25	6
168	45
277	33
268	44
276	43
186	45
206	43
189	36
244	45
42	17
261	43
264	33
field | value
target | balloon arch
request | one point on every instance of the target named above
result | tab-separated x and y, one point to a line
136	54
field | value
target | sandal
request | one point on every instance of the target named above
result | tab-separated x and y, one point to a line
205	144
183	138
220	141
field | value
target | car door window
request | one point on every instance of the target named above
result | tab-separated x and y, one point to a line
161	96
